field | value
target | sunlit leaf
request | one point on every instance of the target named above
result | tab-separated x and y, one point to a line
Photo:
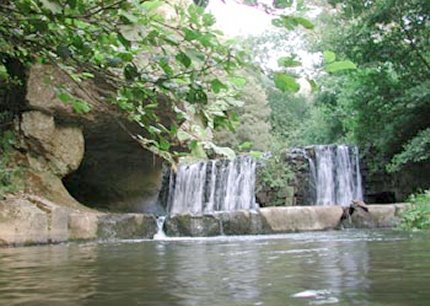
306	23
329	57
314	85
340	65
286	83
52	6
151	5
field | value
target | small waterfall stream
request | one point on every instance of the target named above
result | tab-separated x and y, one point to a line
337	174
214	185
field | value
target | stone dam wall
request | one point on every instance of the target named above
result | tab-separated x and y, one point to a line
33	220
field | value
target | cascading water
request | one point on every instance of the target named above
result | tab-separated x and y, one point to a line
337	174
215	185
160	231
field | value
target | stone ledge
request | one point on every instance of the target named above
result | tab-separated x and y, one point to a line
27	220
30	220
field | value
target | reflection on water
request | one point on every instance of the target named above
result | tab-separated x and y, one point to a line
337	268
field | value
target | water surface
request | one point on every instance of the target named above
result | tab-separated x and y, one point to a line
333	268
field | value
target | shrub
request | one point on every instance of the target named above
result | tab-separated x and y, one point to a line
417	216
10	174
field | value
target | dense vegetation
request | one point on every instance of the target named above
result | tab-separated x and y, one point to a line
10	173
417	216
384	105
138	50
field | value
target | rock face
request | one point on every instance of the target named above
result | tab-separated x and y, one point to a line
243	223
89	159
33	220
61	147
378	216
192	226
126	226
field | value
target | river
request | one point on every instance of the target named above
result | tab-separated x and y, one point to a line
334	268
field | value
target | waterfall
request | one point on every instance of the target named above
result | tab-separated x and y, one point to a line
214	185
337	174
160	228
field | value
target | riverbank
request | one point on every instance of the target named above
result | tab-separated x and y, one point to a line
29	220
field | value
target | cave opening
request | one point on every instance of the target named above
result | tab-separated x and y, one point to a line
116	173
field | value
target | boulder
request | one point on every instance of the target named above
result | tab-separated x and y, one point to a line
22	223
377	216
126	226
61	148
383	215
400	209
301	218
83	226
192	226
242	222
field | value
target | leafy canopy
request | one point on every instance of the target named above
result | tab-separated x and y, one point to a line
142	49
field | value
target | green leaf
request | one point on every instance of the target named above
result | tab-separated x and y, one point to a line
71	3
217	85
224	151
53	7
286	82
163	144
165	66
306	23
329	57
196	149
237	81
151	5
314	85
130	72
288	22
339	66
197	95
191	35
208	20
80	106
183	59
245	146
256	154
288	62
64	96
128	17
3	73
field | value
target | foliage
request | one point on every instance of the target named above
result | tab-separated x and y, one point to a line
10	176
252	131
416	150
383	106
140	51
417	215
274	175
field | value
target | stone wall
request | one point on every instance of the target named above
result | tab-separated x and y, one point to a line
27	220
33	220
277	220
